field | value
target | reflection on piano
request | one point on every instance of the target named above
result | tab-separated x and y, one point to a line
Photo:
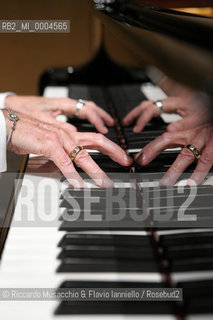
70	257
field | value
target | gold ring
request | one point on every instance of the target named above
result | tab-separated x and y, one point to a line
194	150
75	152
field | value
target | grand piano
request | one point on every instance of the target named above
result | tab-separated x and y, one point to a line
43	246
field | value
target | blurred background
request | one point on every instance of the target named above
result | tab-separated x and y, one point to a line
24	57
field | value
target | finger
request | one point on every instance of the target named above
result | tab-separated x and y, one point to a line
184	159
57	146
62	125
183	124
172	104
65	126
131	116
97	122
84	161
55	113
64	163
101	143
164	141
105	117
204	164
144	118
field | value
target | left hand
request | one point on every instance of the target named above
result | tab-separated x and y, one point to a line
46	110
201	137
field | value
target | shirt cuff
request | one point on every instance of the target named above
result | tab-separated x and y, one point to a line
3	136
3	96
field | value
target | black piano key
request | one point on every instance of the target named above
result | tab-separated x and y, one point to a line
153	125
187	251
98	192
81	226
198	296
106	252
111	284
187	238
202	201
107	265
178	192
191	264
201	305
104	239
160	163
105	200
196	288
102	204
114	307
140	139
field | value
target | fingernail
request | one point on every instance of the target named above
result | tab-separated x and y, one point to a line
191	183
127	159
135	129
141	159
107	183
105	130
165	182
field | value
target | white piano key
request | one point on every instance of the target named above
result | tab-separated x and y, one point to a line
199	317
62	118
181	231
152	92
56	92
191	276
136	150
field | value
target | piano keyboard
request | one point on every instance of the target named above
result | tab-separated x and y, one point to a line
66	256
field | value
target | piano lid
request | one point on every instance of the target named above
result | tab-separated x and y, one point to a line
180	25
178	43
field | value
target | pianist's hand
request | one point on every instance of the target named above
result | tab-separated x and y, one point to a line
50	140
201	137
191	109
46	109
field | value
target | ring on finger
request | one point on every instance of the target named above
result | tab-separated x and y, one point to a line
79	106
75	152
159	104
194	150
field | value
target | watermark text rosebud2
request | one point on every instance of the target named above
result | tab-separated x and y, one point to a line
42	202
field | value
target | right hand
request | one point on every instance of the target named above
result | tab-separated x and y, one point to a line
33	136
192	110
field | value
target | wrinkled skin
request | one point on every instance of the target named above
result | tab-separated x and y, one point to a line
57	142
46	109
193	129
